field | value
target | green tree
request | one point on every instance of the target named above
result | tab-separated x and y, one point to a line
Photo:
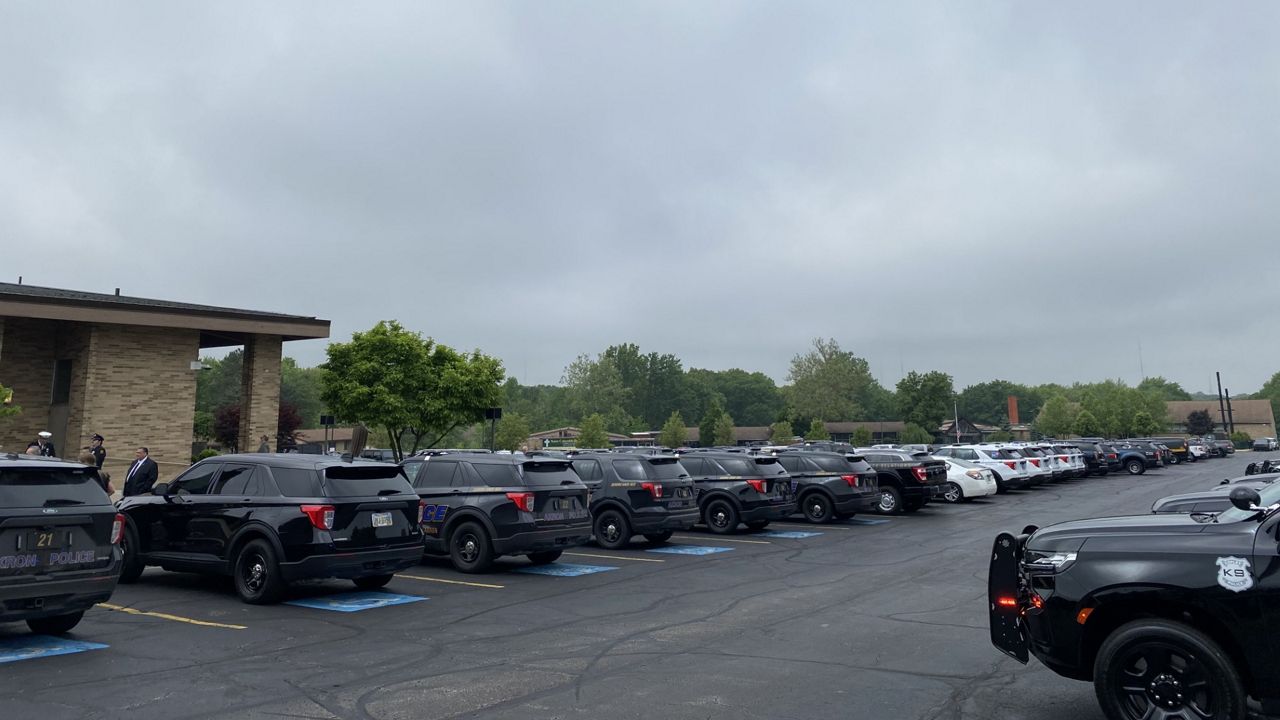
1086	425
202	429
707	428
219	383
301	388
1056	417
926	399
817	431
7	408
1199	422
913	434
1145	425
673	433
1242	440
1271	391
780	433
1164	389
724	431
751	398
595	386
830	383
415	389
1000	436
592	434
512	432
861	437
988	402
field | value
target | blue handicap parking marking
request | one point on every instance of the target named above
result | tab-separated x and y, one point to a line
355	601
564	569
790	534
867	521
688	550
30	647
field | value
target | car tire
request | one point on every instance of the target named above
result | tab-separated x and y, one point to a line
56	625
546	557
257	574
132	566
721	516
1174	459
470	549
817	508
953	494
372	582
890	501
758	525
659	538
1141	655
1135	467
612	530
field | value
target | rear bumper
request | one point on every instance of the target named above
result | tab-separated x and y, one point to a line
558	538
652	522
351	565
27	597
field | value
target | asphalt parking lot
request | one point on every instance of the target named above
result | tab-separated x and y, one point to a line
874	618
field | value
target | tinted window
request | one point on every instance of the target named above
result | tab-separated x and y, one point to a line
769	467
630	470
666	469
497	475
368	480
588	469
694	466
31	487
233	480
831	464
547	473
738	466
297	482
411	470
196	481
439	473
792	463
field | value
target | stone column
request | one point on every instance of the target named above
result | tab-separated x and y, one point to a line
260	392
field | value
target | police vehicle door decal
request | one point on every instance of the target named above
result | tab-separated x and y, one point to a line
1233	574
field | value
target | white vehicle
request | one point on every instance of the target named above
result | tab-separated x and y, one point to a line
1010	469
1198	450
1038	464
966	481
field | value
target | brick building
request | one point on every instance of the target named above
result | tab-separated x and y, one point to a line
81	363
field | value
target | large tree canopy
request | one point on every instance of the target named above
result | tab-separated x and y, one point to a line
926	399
415	389
832	384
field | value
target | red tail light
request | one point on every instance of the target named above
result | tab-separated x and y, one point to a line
1034	462
524	500
321	516
922	474
117	529
655	489
757	484
1007	602
852	480
1011	464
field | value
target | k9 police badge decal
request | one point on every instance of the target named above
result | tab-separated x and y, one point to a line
1233	574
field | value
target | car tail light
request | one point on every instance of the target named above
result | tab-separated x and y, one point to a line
757	484
976	475
1035	462
117	529
851	480
523	500
1011	464
321	516
920	473
655	489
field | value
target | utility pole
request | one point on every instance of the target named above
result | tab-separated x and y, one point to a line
1231	416
1222	408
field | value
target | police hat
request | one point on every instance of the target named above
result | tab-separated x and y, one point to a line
45	434
97	437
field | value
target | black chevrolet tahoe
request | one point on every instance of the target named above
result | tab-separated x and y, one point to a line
630	494
59	542
478	506
1170	616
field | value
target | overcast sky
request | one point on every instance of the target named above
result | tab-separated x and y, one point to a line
1023	190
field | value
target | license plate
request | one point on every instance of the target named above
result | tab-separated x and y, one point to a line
46	540
562	504
382	519
678	504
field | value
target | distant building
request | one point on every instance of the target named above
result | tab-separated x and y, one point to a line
1251	416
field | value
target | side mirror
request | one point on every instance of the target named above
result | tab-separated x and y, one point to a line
160	489
1245	498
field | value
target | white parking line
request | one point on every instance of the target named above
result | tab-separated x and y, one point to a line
614	557
452	582
720	539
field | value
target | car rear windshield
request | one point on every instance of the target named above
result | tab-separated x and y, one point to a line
661	468
769	467
544	474
739	466
1011	453
356	480
831	464
33	487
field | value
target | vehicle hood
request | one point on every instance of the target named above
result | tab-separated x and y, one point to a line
1144	525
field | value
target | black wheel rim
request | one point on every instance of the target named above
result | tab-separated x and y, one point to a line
610	528
468	547
888	502
817	507
253	572
1160	681
718	516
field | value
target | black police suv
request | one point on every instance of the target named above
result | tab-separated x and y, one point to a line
478	506
735	488
649	495
908	480
829	485
268	520
1170	616
59	542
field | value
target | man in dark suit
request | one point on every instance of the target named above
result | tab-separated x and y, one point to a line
142	474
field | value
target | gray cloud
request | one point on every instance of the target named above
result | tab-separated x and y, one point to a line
996	190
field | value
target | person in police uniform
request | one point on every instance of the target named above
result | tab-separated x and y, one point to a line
45	443
95	448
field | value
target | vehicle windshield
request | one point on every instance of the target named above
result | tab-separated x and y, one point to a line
831	464
542	474
363	480
666	468
1011	453
738	466
34	487
1270	496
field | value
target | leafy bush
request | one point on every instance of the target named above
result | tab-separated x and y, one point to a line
1000	436
205	453
913	434
1242	440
